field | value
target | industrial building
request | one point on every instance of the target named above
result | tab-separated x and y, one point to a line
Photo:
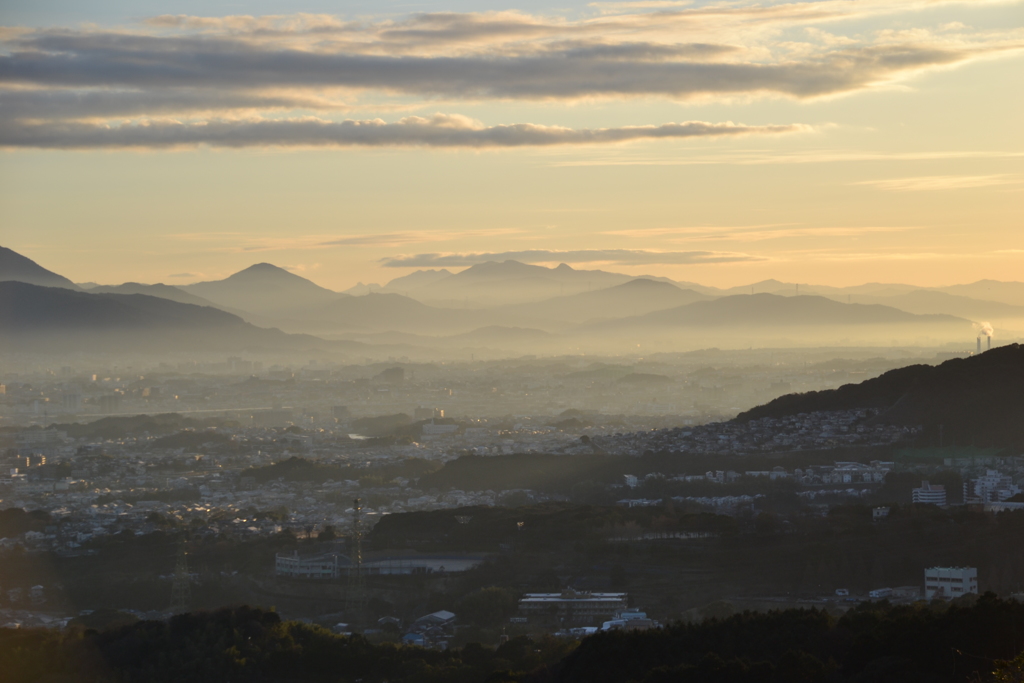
950	582
329	565
571	606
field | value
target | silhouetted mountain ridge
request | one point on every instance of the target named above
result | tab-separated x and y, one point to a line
775	310
511	282
638	296
931	302
18	268
159	290
978	400
52	318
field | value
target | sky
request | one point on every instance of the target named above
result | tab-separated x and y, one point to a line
831	142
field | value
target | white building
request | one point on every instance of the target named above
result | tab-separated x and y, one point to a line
573	606
950	582
994	487
321	566
933	494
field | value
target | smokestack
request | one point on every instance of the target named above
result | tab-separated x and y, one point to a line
984	330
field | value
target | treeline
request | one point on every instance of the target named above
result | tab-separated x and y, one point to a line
873	642
118	427
936	643
16	521
244	644
301	469
548	526
586	477
191	439
754	553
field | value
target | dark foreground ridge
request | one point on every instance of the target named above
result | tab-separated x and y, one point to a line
977	401
936	643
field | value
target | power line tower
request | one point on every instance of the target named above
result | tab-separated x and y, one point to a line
181	589
357	587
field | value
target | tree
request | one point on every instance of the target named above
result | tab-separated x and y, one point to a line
487	606
1011	671
617	576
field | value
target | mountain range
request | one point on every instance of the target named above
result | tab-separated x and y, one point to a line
632	297
35	318
532	308
158	290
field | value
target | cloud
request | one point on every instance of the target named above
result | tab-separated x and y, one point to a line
640	4
940	182
49	104
440	130
111	61
757	233
622	257
240	81
247	242
761	157
302	267
183	275
378	240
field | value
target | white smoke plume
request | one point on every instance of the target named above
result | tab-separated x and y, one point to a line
984	330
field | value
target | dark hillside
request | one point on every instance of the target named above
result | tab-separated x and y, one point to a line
15	267
55	319
978	400
871	643
156	425
874	642
537	527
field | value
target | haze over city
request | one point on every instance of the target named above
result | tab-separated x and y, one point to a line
654	340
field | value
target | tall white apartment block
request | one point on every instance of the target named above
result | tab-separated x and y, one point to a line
950	582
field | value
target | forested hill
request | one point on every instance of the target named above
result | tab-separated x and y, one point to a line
977	400
938	643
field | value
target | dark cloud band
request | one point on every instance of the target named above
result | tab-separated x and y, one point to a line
104	61
438	131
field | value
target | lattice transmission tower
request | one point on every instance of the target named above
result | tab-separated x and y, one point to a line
357	586
181	589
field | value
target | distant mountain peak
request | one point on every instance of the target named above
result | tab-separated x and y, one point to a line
268	273
264	289
264	269
647	283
